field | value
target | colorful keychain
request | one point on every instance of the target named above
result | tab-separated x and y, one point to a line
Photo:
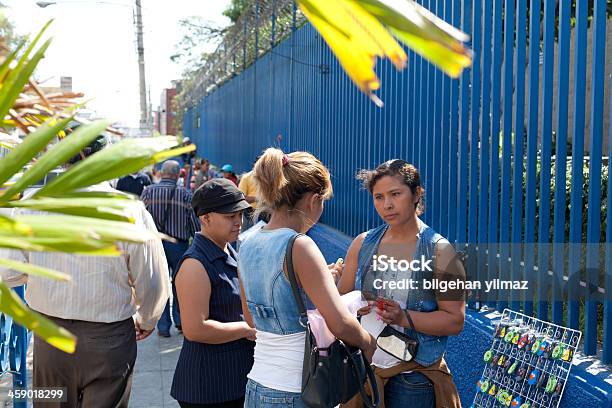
551	385
516	402
542	348
568	354
536	346
509	335
557	352
533	377
523	341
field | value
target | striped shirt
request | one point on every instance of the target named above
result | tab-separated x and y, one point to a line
181	222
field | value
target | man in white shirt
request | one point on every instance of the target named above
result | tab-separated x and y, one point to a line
110	303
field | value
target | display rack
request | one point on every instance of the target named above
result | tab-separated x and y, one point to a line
544	350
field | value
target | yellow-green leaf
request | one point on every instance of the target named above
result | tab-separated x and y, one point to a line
120	159
53	334
32	144
58	154
34	270
117	209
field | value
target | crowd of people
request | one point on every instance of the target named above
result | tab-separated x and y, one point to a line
243	333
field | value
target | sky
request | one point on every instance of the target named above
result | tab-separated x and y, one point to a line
95	43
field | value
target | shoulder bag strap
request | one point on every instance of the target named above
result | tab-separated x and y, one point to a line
293	280
368	401
410	322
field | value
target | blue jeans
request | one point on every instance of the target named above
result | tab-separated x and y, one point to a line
258	396
174	253
411	390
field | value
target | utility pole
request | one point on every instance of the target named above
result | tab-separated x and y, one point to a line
144	111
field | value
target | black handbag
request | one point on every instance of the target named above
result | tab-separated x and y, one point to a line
335	378
398	344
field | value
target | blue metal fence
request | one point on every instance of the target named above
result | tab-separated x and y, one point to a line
14	340
483	142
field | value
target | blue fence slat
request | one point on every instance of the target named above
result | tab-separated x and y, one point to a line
607	321
496	71
410	106
519	151
438	171
444	139
532	149
485	122
575	221
560	162
474	122
595	151
453	136
506	171
545	163
463	137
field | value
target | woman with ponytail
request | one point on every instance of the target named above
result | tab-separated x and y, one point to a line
294	188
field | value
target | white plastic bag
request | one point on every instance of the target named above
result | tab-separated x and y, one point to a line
352	300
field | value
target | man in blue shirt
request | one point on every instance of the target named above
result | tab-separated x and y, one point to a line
133	183
170	207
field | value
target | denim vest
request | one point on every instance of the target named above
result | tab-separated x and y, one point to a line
267	290
431	348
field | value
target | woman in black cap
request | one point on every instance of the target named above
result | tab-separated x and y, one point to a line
217	351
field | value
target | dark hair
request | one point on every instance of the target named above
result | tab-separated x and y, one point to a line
406	172
283	179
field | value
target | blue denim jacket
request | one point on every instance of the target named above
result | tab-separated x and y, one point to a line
431	348
267	290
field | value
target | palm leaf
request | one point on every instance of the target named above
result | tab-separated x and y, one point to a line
117	209
58	154
4	67
125	157
67	226
34	270
55	335
20	75
424	33
355	32
29	148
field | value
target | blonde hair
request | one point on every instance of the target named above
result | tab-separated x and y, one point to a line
283	179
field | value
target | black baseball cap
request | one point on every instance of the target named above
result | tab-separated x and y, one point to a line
218	195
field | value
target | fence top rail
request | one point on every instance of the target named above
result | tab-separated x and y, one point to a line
262	25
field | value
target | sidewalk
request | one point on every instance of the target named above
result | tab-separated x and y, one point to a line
152	380
155	365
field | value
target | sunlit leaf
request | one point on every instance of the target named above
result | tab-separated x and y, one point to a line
120	159
118	209
65	226
355	32
58	154
9	59
32	144
53	334
20	75
34	270
424	33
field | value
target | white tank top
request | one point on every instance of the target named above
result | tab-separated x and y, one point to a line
278	361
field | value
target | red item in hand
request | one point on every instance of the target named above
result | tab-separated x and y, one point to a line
380	304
